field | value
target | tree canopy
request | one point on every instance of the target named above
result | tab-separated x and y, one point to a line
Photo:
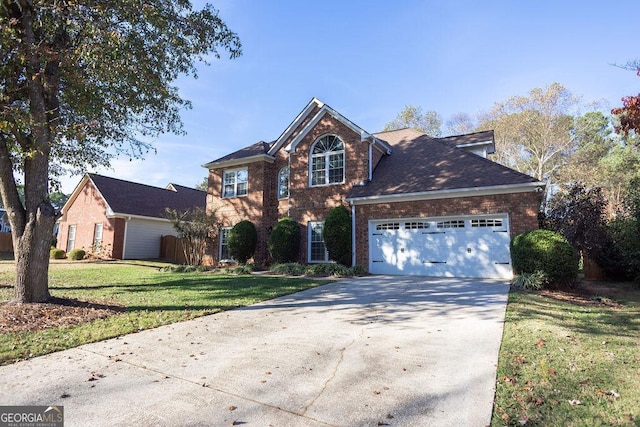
629	114
80	83
411	116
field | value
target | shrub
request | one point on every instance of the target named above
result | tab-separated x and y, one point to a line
77	254
337	235
56	253
547	252
336	270
290	268
621	259
284	241
242	241
358	270
530	281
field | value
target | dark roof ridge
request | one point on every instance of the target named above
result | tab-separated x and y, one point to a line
465	134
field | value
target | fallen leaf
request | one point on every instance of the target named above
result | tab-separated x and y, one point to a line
551	372
64	395
232	408
613	393
575	402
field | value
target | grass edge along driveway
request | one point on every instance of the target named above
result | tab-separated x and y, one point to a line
144	296
570	359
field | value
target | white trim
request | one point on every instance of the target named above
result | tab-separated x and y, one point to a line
127	217
326	155
237	162
353	234
326	253
291	147
294	124
448	194
220	245
370	171
124	240
235	183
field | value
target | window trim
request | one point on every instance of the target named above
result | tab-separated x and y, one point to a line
71	243
235	183
325	155
280	173
220	244
97	246
310	226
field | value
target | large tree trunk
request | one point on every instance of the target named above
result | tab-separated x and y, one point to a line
32	256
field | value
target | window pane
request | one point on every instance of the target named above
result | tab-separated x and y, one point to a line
283	183
318	251
318	171
336	175
229	191
242	189
243	175
224	248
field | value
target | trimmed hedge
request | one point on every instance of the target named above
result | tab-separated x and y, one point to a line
284	241
547	252
77	254
56	253
337	235
242	241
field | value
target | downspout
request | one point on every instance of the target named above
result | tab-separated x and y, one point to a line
353	233
289	185
124	237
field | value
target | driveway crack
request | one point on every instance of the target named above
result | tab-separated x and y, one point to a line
331	377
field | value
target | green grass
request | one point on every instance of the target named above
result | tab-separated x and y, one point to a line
555	353
152	298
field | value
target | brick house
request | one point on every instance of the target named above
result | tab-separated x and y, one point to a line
419	205
120	219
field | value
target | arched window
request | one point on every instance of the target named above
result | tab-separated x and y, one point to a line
327	161
283	183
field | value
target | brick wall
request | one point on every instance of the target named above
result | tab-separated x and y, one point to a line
86	211
522	209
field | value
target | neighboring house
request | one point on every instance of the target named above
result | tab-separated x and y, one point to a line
121	219
419	205
5	227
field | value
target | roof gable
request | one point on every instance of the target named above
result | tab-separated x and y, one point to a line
132	199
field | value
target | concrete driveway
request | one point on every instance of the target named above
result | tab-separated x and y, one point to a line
398	351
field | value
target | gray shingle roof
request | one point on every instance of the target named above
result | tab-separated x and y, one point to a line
420	163
130	198
256	149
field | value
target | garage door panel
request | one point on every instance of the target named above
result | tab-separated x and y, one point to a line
442	247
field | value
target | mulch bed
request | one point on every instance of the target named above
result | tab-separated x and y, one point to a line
54	313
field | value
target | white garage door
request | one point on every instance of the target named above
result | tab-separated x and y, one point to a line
476	246
142	238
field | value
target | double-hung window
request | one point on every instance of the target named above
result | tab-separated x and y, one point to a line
317	249
97	237
71	238
234	182
224	246
327	161
283	183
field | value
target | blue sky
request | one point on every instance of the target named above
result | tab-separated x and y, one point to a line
369	59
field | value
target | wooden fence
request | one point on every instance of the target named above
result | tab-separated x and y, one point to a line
6	243
172	249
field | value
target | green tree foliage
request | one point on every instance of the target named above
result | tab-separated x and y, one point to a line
284	241
81	82
242	241
579	214
601	159
337	235
534	133
197	228
413	117
545	251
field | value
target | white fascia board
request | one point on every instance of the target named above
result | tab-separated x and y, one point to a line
241	161
130	216
291	147
315	102
490	144
449	194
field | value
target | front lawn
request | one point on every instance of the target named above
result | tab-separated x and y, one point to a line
570	358
125	297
